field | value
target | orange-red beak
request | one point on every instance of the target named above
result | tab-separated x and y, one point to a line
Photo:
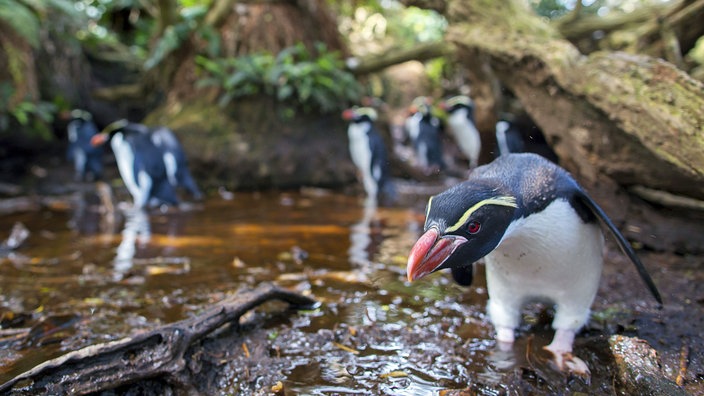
430	252
348	114
98	139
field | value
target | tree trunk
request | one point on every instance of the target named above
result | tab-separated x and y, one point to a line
251	143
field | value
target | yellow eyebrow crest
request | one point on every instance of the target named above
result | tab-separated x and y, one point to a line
501	200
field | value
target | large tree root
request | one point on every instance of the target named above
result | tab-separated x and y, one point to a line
157	353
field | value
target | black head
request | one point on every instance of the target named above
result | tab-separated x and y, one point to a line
458	102
463	224
80	115
359	114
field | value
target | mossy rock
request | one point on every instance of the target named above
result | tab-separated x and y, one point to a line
259	144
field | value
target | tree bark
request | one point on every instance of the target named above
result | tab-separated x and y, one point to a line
377	62
633	118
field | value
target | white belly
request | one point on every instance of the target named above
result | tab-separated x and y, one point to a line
466	135
362	155
551	256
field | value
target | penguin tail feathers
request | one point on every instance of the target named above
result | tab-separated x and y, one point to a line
622	243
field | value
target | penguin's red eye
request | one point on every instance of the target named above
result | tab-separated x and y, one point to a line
473	227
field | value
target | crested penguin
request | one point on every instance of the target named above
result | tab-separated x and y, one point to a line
368	152
175	160
87	159
460	120
424	130
516	135
539	233
140	163
508	138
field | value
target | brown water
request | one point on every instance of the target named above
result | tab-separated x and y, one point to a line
81	280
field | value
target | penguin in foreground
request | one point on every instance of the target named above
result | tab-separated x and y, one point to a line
539	233
140	163
87	159
424	130
460	120
368	152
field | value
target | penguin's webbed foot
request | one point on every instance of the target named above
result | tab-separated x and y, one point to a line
561	349
568	363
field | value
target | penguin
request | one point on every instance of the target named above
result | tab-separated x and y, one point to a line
424	130
175	160
368	152
521	136
539	234
140	163
508	138
87	159
460	121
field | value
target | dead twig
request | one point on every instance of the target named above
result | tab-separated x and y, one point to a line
157	353
684	363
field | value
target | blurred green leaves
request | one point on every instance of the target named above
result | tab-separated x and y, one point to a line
294	77
25	17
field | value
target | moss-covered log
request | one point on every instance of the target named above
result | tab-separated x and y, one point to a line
633	118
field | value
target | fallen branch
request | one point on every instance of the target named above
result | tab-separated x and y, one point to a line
377	62
157	353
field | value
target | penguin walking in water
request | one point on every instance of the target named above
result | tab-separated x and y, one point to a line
460	121
539	233
368	152
87	159
175	161
424	130
140	163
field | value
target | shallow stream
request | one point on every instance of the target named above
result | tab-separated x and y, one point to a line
83	278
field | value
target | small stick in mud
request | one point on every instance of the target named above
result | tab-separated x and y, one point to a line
684	362
162	352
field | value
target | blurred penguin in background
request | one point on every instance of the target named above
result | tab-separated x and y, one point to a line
369	154
87	159
460	121
521	135
423	128
140	162
175	160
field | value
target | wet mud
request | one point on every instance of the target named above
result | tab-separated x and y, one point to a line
82	278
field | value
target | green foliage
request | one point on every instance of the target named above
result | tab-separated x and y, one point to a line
174	36
555	9
294	76
418	25
21	19
25	17
551	9
35	115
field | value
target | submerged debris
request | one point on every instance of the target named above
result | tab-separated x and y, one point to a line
18	235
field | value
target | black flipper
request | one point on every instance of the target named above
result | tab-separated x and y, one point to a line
463	275
622	242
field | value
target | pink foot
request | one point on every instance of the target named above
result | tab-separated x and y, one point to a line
561	349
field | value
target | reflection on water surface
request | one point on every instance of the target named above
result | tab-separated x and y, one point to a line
375	332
